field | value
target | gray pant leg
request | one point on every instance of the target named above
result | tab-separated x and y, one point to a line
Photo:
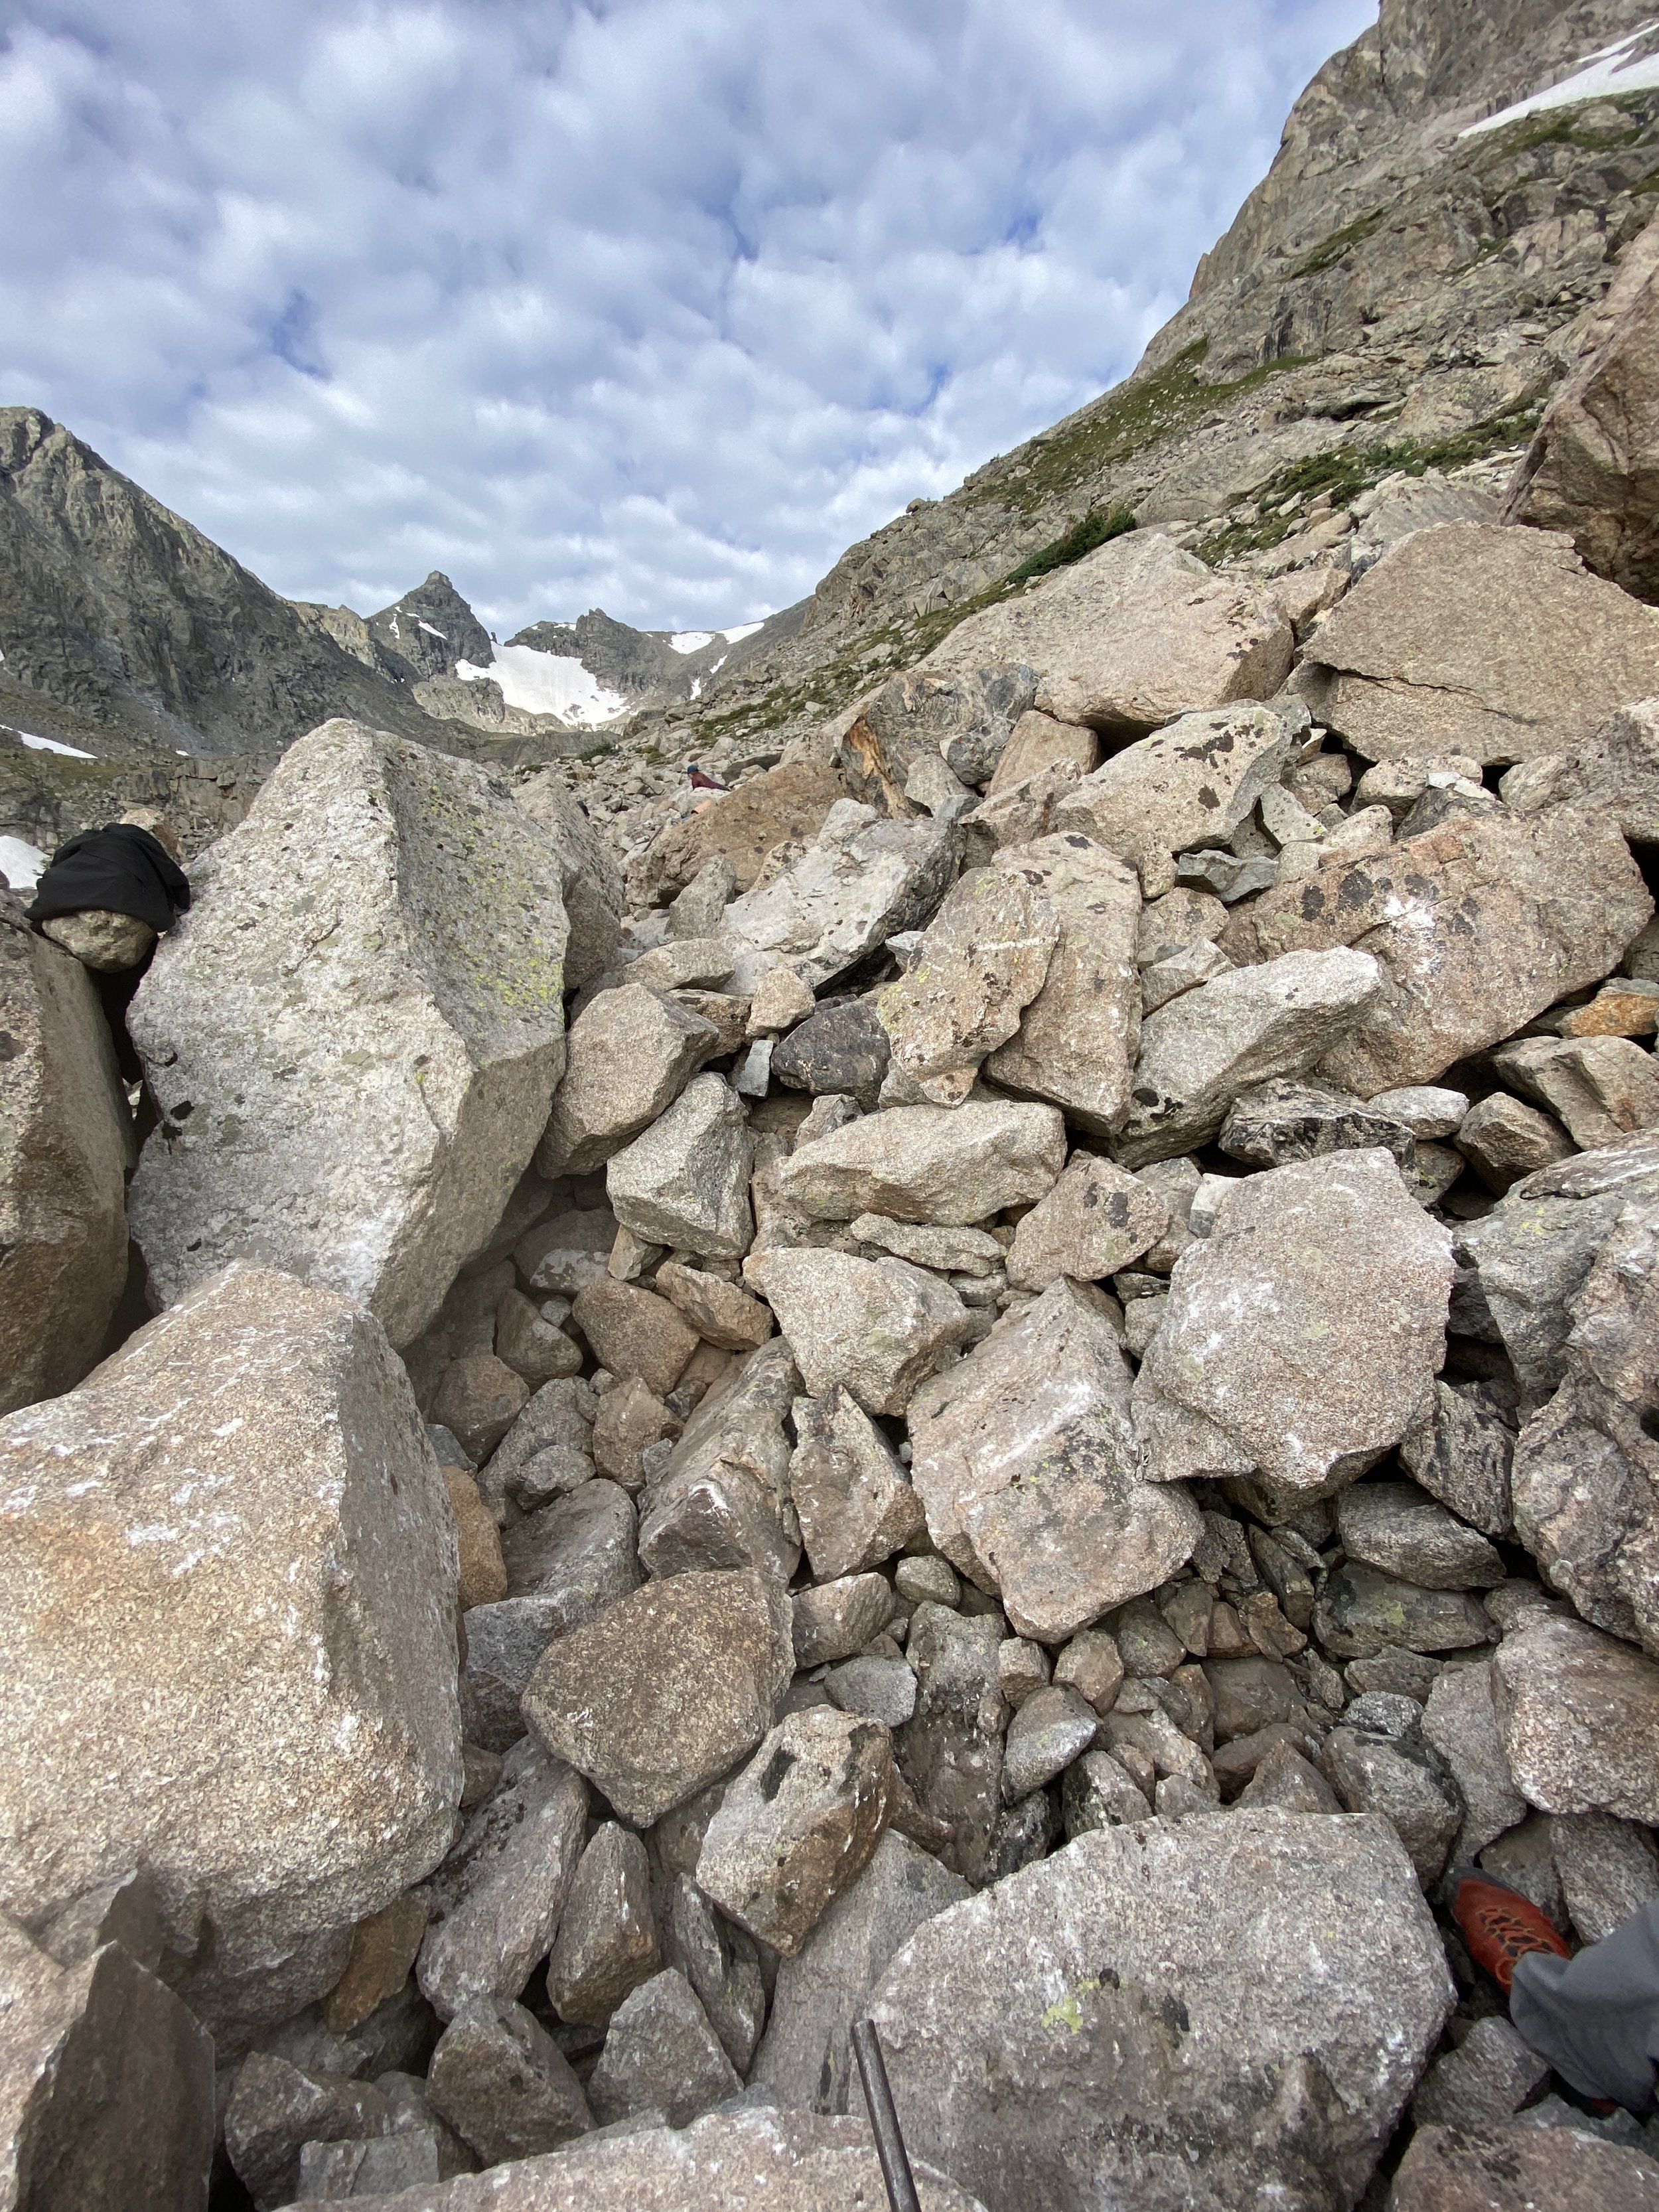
1595	2017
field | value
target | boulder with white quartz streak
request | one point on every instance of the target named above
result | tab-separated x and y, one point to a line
1476	926
981	959
1076	1040
805	2056
1279	1974
1130	636
723	1498
685	1182
1303	1337
498	1896
631	1052
354	1035
1201	1050
65	1146
859	883
1190	785
878	1327
1024	1459
1578	1714
928	1164
229	1580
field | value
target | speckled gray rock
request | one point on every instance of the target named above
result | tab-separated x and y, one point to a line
105	2084
1470	638
660	2054
835	1618
805	2056
1282	1121
721	1314
1198	1052
576	1554
721	1963
668	1689
1586	1473
1488	2078
1023	1458
799	1825
607	1938
1097	1792
1609	1870
859	883
631	1331
722	1500
1130	635
1361	1611
1192	784
789	2157
877	1327
503	2083
1460	1453
1096	1219
841	1051
980	961
951	1753
1077	1039
1602	1089
1296	1949
1578	1713
1395	1526
1460	1721
1449	2168
1302	1336
1053	1727
275	2108
882	1690
631	1052
65	1146
685	1182
1476	926
358	1110
930	1164
279	1741
1404	1781
1533	1251
498	1896
855	1500
1502	1140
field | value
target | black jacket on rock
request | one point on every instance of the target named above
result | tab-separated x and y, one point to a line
119	869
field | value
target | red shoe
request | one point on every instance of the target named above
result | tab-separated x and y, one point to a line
1500	1926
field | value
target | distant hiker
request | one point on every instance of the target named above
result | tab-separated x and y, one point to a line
106	896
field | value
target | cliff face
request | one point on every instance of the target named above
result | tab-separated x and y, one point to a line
122	624
1393	294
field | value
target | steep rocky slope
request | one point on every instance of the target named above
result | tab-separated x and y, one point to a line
1012	1390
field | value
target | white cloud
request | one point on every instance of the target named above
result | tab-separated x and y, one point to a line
654	304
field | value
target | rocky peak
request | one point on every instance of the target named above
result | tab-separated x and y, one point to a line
432	627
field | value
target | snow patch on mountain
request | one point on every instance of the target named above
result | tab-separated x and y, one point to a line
20	864
547	684
52	745
742	630
692	640
1609	69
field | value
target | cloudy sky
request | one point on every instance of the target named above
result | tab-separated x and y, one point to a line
654	304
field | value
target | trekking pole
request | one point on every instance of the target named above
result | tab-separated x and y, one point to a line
884	2120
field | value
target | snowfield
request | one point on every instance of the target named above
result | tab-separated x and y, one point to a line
547	684
1600	73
